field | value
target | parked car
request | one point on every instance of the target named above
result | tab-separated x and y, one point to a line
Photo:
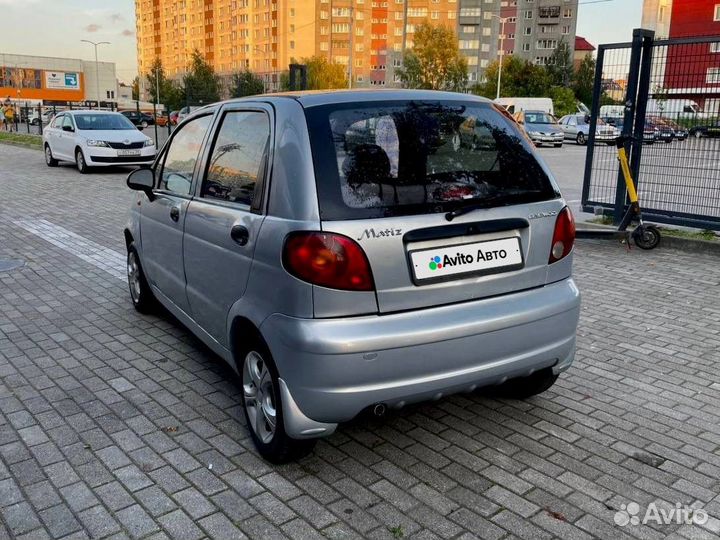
541	127
340	276
705	131
35	118
161	119
618	123
185	112
95	139
576	127
678	132
139	119
663	133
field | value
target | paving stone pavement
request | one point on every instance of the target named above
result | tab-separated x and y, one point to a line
117	425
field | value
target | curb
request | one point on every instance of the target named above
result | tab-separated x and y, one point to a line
691	245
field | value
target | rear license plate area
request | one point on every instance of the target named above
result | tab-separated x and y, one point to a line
445	263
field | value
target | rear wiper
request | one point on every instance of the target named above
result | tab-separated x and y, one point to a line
486	202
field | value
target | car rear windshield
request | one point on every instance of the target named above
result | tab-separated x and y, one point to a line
539	118
96	122
382	159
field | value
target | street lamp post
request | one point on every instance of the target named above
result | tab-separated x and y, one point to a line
97	70
501	51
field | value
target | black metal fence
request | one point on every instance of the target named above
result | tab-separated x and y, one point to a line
669	95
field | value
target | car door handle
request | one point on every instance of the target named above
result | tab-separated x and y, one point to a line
175	213
240	234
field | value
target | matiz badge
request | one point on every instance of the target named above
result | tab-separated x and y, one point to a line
542	215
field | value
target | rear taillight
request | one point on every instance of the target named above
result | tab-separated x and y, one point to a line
329	260
563	237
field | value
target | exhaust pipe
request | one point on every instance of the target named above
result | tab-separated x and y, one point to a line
379	409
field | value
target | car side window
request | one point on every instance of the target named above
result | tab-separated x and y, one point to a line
572	121
57	122
238	157
182	155
68	121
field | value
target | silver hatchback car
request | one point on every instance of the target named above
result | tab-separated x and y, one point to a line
350	251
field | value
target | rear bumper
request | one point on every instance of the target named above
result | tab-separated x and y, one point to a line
335	368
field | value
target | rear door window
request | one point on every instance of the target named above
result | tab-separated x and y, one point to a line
400	158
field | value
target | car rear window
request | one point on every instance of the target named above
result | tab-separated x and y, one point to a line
381	159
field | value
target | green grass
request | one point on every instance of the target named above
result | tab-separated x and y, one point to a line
397	532
21	139
694	234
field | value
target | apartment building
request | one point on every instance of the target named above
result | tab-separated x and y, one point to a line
478	30
369	36
366	36
261	35
540	26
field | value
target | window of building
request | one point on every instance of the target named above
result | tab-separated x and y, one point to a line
469	43
472	60
549	12
565	30
484	62
717	12
470	12
526	47
529	14
469	29
713	76
715	47
528	30
485	47
567	13
486	31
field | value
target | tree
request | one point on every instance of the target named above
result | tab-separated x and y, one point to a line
246	83
324	75
560	65
170	93
519	78
136	88
201	84
584	80
564	101
321	74
435	61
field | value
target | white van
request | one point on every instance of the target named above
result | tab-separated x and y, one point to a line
675	108
612	111
517	104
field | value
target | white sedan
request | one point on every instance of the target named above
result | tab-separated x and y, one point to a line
95	139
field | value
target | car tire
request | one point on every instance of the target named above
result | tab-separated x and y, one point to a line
698	134
50	161
80	162
140	293
144	124
580	139
525	387
262	407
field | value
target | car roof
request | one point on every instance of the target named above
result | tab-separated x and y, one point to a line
88	111
312	98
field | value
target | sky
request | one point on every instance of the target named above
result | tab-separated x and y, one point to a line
55	28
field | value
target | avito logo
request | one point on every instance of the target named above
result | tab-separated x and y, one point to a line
436	263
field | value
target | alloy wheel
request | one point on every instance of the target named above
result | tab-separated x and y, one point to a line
133	275
48	154
259	396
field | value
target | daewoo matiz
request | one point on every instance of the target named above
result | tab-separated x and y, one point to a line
346	251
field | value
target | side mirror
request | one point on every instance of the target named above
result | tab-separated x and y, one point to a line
142	180
69	129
